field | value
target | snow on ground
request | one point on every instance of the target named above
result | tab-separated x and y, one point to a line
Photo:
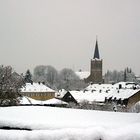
27	100
49	123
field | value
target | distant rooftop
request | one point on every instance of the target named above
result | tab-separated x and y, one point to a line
98	92
82	74
36	87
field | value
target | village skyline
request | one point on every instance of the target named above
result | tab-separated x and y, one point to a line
69	69
63	34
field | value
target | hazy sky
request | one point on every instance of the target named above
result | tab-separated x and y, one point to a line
62	33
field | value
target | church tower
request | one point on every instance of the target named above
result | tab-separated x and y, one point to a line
96	67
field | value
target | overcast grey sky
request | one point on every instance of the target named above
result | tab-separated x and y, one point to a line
62	33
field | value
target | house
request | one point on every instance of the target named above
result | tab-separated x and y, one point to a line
37	91
68	97
123	93
126	96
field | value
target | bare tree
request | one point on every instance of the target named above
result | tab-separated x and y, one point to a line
51	75
10	83
117	76
39	73
68	79
47	74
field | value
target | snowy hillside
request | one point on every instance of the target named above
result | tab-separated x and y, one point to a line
48	123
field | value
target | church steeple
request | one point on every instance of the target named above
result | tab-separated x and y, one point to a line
95	67
96	52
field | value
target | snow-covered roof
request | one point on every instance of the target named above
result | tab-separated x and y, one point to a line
127	84
36	87
82	74
104	87
81	96
96	96
98	92
122	93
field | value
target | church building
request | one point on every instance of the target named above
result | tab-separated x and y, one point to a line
95	67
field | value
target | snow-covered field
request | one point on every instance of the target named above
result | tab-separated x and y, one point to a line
49	123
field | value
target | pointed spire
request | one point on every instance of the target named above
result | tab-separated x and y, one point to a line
96	52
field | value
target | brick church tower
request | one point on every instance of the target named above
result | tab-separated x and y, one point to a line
95	68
